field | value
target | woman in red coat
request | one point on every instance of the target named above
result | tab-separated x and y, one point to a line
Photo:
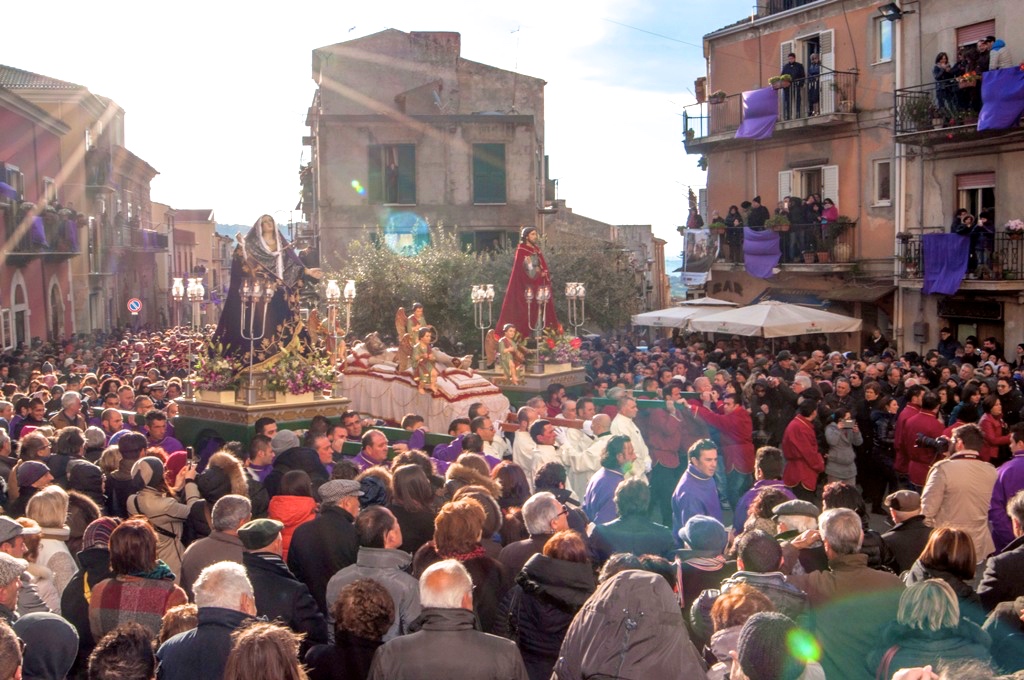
800	447
993	429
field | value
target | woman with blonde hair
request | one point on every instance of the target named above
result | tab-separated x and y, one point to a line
928	628
264	651
49	507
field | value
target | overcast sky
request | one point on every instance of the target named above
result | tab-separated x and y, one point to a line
216	92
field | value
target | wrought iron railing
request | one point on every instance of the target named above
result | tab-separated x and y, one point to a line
831	92
936	106
996	257
800	244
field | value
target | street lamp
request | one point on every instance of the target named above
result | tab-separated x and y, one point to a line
483	293
576	292
541	296
251	296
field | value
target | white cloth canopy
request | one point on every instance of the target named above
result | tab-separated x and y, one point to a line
771	319
678	316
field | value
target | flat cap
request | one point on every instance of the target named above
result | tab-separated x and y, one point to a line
259	533
333	491
797	507
903	501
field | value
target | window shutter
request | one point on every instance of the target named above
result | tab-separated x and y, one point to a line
784	49
406	173
830	183
826	95
489	173
785	184
976	180
375	174
968	35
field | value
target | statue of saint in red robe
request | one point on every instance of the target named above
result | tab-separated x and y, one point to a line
529	270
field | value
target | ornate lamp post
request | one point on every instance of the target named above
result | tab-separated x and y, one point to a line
483	294
251	297
540	297
577	294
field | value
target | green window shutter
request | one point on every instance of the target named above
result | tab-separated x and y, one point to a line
375	174
489	173
406	155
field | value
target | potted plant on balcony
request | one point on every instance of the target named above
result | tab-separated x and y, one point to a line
969	79
1015	230
778	223
841	251
781	82
915	113
717	97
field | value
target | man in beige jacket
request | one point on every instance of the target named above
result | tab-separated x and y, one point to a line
958	491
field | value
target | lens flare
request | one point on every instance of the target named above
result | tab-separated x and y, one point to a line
803	646
359	188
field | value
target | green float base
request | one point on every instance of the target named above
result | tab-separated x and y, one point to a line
236	422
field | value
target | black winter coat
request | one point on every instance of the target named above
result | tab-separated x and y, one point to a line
537	612
321	548
279	595
970	603
490	578
923	648
200	653
95	567
635	535
297	458
1001	581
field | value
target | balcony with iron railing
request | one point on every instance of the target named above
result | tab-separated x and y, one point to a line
825	100
942	113
803	247
1004	253
776	6
52	236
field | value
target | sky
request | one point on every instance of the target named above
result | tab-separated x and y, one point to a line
215	93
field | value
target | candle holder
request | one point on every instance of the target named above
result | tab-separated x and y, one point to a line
195	292
254	296
577	295
483	294
538	298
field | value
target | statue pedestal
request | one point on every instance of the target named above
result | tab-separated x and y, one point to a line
533	384
237	421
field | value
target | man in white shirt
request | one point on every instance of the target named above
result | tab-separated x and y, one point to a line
542	432
568	413
522	444
623	424
583	463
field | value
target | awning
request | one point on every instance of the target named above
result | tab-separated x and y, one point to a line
858	293
793	296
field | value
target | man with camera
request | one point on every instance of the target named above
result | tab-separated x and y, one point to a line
958	491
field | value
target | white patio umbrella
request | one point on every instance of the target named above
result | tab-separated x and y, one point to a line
772	319
678	316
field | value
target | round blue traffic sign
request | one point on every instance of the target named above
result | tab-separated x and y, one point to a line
135	305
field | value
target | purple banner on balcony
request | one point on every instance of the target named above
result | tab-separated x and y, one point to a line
760	112
1002	92
945	262
37	233
760	252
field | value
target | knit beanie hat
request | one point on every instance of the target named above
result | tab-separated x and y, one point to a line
97	534
30	472
84	476
765	648
51	645
175	462
147	470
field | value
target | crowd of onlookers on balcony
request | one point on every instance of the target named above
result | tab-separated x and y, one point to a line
804	224
54	228
958	84
981	232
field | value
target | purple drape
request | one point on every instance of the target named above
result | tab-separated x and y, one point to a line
1002	92
37	233
760	252
71	232
760	112
945	262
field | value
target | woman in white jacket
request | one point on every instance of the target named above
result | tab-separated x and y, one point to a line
159	504
842	434
49	508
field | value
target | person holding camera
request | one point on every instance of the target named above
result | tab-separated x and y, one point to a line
842	435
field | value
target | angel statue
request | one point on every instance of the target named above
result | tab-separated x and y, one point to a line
506	353
407	327
423	363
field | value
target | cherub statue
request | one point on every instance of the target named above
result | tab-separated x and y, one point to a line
407	327
423	365
506	353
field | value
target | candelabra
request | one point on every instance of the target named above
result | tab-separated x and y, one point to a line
177	294
253	296
195	292
483	294
577	296
350	296
333	294
541	298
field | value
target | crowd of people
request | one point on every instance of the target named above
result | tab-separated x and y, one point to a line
692	510
807	219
